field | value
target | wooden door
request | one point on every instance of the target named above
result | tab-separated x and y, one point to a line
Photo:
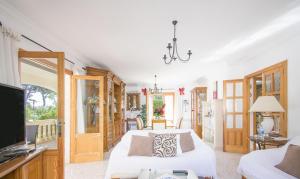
275	84
235	124
46	69
87	124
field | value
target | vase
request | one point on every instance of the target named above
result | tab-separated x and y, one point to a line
260	130
267	124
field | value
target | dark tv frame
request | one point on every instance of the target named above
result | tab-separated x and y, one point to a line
24	140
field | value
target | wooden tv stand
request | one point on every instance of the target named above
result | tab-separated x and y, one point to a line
24	167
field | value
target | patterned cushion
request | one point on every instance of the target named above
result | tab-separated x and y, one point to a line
165	145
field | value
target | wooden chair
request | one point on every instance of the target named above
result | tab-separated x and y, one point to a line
158	124
140	123
131	122
179	123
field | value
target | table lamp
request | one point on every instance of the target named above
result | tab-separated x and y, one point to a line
266	105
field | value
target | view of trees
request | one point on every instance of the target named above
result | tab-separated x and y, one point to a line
158	105
40	103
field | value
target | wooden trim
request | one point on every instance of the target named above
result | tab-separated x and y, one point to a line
101	117
259	72
39	54
60	96
117	80
61	112
73	118
46	63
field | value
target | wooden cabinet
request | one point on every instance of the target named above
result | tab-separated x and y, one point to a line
198	95
270	81
50	164
114	108
31	166
274	83
33	169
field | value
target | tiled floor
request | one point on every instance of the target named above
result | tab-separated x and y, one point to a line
227	164
226	168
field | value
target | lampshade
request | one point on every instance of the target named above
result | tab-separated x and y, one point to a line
266	104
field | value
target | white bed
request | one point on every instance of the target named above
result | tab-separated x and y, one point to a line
260	164
201	160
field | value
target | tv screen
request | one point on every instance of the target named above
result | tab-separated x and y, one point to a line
12	116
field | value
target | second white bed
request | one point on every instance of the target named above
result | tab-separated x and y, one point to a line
202	160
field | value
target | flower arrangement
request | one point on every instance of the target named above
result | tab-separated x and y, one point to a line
160	111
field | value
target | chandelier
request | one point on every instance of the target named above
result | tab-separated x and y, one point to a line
173	51
155	90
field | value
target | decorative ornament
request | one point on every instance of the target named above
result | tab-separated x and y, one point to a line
181	91
144	91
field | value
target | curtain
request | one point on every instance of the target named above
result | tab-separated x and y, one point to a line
81	108
9	66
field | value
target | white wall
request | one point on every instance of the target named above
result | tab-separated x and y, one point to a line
12	18
280	47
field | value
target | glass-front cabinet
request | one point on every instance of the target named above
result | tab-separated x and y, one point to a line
274	84
270	81
198	95
114	90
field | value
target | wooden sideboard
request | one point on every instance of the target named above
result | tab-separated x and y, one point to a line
32	166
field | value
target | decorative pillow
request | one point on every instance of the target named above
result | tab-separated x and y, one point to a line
165	145
186	142
291	161
141	146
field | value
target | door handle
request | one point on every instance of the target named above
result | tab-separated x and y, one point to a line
59	128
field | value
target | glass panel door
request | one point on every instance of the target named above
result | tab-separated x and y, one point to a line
42	77
235	129
87	106
87	124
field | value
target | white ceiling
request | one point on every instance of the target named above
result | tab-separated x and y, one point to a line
130	36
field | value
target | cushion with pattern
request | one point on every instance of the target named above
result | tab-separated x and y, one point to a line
164	145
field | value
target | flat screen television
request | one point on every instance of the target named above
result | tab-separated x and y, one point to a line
12	116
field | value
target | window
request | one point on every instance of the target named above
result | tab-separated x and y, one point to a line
161	106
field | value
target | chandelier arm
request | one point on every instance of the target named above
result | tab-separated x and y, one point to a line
173	52
171	56
168	61
180	57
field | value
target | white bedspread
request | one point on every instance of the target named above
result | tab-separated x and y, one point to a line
260	164
201	160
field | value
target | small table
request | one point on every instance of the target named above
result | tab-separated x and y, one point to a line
151	174
267	140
